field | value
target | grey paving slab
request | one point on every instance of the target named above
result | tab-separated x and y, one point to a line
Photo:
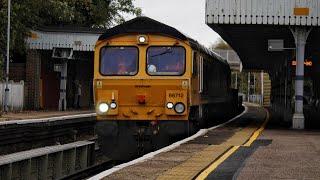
290	155
276	154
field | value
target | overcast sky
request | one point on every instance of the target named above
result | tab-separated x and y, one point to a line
188	16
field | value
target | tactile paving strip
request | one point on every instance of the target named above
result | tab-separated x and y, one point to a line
201	160
190	159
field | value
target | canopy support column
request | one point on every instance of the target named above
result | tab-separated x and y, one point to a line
63	86
300	35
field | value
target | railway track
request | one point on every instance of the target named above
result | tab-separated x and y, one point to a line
22	135
91	171
54	146
30	135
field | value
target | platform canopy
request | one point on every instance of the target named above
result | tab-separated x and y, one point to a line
77	38
247	25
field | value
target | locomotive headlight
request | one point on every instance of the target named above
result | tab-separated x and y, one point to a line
170	105
113	105
179	108
103	108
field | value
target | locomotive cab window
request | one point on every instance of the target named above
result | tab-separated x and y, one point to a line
166	60
119	61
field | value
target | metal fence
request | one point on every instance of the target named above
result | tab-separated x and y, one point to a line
16	95
253	98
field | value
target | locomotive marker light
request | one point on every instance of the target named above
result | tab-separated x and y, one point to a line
142	39
113	105
179	108
103	108
170	105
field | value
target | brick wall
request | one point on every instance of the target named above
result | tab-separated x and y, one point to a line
32	85
17	72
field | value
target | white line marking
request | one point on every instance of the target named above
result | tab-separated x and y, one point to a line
150	155
49	119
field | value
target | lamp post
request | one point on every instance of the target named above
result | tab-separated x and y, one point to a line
6	94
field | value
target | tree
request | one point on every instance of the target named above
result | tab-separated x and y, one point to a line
30	14
220	44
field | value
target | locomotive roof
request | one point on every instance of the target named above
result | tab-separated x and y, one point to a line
146	25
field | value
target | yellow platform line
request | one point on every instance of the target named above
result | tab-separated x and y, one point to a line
204	174
257	132
216	163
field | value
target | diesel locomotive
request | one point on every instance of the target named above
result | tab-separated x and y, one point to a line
153	83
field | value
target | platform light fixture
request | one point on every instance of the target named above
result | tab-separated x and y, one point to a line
276	45
62	53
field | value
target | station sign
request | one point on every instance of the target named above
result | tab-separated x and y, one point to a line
307	62
301	11
34	35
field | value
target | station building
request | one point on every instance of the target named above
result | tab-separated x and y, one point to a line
281	38
58	61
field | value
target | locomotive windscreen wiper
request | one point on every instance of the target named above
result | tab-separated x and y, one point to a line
169	50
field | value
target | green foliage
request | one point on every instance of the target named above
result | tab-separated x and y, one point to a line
220	44
242	82
29	14
99	13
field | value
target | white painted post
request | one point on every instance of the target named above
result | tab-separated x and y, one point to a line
300	34
63	86
6	94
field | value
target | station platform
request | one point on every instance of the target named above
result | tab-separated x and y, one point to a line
25	115
34	129
241	148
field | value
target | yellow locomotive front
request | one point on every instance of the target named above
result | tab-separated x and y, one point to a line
142	77
153	85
